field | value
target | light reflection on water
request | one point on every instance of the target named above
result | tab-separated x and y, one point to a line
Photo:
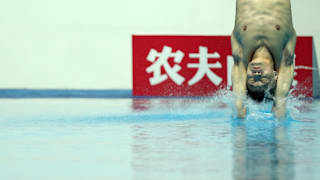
156	139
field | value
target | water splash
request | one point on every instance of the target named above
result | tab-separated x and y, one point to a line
296	106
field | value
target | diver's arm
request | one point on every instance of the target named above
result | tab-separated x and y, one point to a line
239	77
239	88
285	77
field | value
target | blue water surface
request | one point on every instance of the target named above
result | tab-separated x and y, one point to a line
157	138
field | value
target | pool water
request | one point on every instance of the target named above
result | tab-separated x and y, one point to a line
156	138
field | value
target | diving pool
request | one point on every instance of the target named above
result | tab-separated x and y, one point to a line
156	139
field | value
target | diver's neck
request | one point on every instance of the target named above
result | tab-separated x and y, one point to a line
262	53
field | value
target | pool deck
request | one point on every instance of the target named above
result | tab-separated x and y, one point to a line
74	93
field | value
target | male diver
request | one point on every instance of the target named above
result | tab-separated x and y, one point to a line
263	43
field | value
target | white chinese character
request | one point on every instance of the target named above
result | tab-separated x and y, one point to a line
161	59
204	66
230	63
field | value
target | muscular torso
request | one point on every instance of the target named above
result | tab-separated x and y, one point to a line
263	22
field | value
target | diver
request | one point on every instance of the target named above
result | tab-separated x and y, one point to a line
263	43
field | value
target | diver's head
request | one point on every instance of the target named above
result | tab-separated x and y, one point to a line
261	75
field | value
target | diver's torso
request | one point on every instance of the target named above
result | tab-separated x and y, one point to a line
263	23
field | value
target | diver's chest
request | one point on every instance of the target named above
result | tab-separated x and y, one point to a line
256	36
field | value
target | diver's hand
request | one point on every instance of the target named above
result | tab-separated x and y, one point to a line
279	108
241	109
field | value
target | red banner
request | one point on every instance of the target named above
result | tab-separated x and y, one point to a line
199	65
